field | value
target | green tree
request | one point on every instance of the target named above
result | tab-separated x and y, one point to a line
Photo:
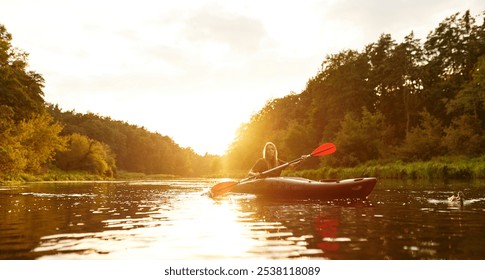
471	99
10	149
424	141
360	139
29	145
465	133
396	80
29	135
20	89
342	87
40	140
452	51
299	140
87	154
464	136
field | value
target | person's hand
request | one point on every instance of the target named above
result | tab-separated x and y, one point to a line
302	158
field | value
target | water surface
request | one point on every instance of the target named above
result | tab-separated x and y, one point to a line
173	219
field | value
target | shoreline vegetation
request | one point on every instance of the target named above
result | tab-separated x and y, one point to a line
71	176
441	168
436	169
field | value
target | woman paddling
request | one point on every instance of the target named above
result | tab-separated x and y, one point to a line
269	161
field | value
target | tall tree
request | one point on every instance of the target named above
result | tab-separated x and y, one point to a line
452	50
29	135
342	87
471	98
20	89
396	79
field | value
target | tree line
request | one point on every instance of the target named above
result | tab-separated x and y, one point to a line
129	147
407	101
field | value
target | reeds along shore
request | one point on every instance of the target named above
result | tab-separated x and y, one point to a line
433	169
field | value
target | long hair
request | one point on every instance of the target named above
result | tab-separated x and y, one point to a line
272	161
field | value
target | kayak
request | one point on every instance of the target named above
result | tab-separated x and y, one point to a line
295	187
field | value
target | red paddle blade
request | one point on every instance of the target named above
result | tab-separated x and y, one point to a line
324	149
222	188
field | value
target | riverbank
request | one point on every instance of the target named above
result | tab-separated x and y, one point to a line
439	168
59	175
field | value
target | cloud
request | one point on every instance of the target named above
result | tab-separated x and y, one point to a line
367	20
239	33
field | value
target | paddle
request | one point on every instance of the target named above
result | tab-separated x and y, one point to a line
322	150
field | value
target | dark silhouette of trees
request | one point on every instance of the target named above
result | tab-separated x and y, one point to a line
392	101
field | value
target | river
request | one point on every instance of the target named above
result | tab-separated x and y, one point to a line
175	220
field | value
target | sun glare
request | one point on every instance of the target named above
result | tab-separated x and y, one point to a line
211	125
205	123
201	233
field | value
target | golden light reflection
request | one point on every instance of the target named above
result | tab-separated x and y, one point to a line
192	228
207	229
181	225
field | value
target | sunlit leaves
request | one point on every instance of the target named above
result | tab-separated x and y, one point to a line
29	145
29	136
88	155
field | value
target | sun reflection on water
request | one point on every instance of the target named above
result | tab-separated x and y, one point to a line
183	225
187	227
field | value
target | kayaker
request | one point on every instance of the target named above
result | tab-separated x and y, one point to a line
268	161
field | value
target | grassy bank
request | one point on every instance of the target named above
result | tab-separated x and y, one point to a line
51	175
59	175
440	168
141	176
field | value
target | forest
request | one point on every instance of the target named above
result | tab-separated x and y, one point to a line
408	101
405	102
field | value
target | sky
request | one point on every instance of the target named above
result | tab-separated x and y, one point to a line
195	70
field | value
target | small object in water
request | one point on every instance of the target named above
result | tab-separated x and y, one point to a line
458	197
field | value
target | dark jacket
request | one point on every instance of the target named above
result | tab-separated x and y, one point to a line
262	165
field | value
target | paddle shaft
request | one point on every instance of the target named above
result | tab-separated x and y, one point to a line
322	150
284	165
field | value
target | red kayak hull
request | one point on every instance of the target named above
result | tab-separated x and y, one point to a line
294	187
